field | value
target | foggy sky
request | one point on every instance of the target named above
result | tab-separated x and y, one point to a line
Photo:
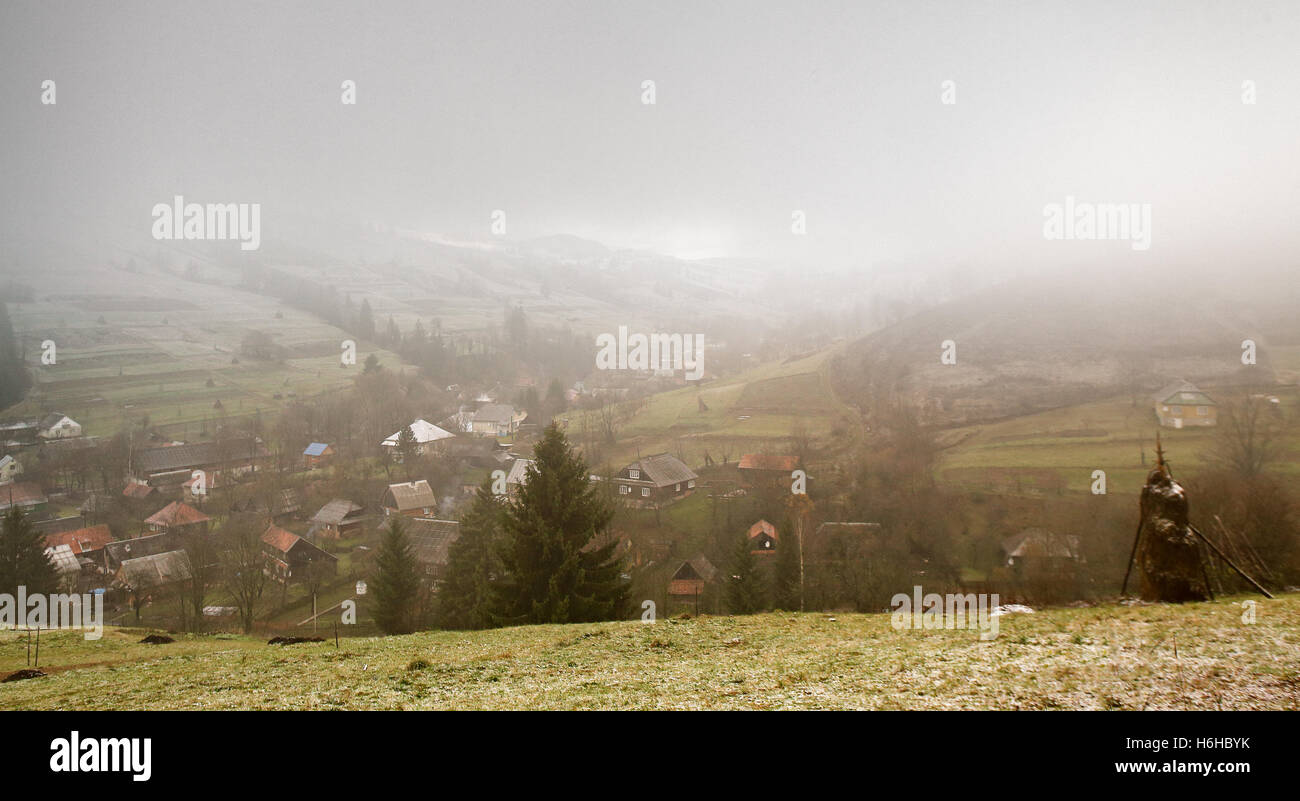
535	108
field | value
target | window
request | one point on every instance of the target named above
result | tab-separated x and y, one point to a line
1178	410
645	492
624	489
1202	411
690	484
634	474
678	488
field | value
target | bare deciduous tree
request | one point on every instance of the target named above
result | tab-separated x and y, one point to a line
1248	438
242	564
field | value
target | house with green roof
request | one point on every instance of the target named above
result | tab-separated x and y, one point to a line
1182	404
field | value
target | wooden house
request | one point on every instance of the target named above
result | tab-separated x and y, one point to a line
317	454
655	480
411	499
338	518
289	556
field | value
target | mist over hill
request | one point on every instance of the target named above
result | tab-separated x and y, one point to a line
1042	342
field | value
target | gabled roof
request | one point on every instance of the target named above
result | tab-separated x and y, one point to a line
1184	393
763	527
154	571
81	540
697	567
279	539
431	539
498	413
176	514
54	418
424	432
284	501
519	472
764	461
196	454
122	550
22	493
663	470
1040	542
336	511
412	495
316	449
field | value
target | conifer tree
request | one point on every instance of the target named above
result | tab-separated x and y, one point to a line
547	576
396	582
465	594
746	586
23	562
785	581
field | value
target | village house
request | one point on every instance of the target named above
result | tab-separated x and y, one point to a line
655	480
26	495
58	426
143	577
204	485
338	518
1037	548
285	503
119	551
1041	566
289	555
431	542
87	541
1182	404
763	538
492	420
690	584
19	433
761	469
411	499
317	454
10	469
171	465
428	438
179	518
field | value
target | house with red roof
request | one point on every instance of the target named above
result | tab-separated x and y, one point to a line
87	540
763	538
178	517
766	469
289	556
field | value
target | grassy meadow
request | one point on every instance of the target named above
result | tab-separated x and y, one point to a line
1193	656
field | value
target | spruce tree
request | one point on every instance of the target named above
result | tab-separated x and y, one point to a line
785	581
547	577
746	590
396	582
23	562
465	594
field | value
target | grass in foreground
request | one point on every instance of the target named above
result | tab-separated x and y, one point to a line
1194	656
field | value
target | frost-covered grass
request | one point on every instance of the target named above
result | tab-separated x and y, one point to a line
1195	656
